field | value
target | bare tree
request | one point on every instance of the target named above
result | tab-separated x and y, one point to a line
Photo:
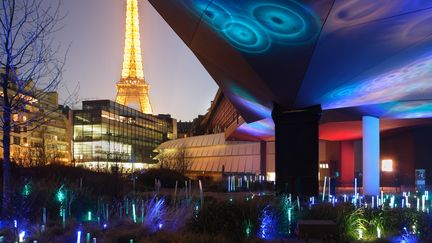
31	70
165	160
182	164
177	160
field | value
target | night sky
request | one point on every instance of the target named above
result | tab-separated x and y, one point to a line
95	29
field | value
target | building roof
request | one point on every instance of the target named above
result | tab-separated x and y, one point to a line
371	57
212	152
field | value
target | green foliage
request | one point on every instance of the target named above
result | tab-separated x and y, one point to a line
235	220
355	224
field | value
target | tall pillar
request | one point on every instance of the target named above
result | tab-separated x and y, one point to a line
347	163
296	145
371	155
263	153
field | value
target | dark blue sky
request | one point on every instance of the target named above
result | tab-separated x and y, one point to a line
95	28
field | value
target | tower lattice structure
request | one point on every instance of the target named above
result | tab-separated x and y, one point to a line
132	87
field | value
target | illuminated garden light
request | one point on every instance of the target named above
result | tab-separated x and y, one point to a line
267	224
378	233
21	236
26	190
382	198
423	203
61	195
355	187
360	234
89	216
78	236
248	229
289	215
134	213
324	186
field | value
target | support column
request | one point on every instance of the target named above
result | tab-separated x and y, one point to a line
263	153
347	163
296	165
371	155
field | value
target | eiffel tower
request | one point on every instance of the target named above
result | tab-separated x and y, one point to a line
132	87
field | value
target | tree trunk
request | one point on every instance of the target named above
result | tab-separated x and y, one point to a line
6	202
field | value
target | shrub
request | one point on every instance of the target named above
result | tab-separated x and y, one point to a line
167	178
234	220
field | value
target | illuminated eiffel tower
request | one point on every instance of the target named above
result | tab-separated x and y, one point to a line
132	87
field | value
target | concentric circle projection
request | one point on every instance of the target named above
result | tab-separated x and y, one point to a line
252	27
290	23
247	37
360	11
217	16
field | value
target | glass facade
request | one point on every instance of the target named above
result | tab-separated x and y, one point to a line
106	133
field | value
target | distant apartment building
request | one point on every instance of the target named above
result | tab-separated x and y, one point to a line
41	133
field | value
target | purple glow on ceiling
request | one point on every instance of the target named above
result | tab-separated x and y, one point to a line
261	129
410	82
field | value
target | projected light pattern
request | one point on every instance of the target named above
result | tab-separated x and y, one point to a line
406	83
253	27
247	37
260	129
215	14
416	29
353	12
401	110
291	24
411	110
248	101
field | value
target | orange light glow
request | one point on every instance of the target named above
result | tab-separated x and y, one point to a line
387	165
132	61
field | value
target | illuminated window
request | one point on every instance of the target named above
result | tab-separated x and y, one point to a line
387	165
324	166
271	176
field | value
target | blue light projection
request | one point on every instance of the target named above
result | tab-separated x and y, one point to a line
290	24
252	26
260	129
243	98
400	110
416	109
410	82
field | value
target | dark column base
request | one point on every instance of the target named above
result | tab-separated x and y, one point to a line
297	139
